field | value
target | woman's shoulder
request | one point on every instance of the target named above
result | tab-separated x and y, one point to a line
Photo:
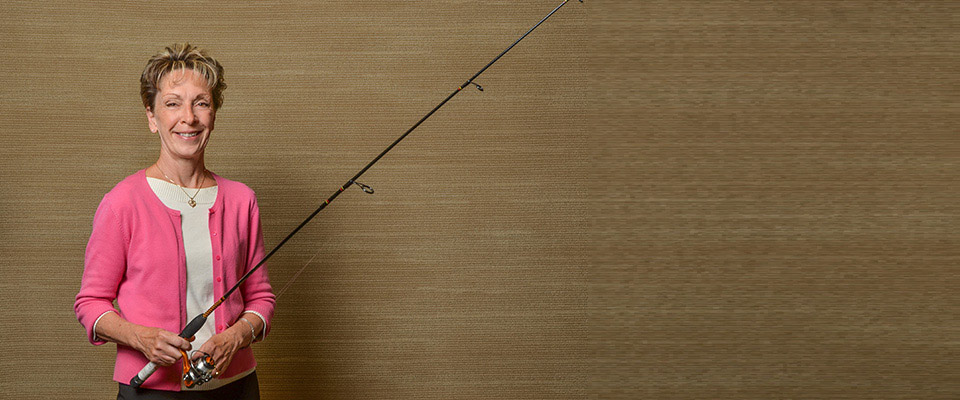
233	188
128	197
129	187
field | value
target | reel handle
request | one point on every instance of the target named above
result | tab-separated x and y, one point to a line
190	330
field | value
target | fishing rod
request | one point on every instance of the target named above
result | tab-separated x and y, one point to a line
201	371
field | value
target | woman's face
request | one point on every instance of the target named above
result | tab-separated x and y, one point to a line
182	114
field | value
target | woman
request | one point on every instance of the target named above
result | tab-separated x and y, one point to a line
172	238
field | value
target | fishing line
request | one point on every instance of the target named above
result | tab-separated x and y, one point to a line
297	275
199	371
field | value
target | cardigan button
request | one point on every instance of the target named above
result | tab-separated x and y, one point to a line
214	234
218	279
218	258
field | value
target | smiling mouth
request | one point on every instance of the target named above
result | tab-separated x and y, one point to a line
188	134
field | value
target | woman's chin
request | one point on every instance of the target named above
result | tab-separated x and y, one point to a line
186	155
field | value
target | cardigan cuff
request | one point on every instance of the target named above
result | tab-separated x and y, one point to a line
262	330
87	317
95	337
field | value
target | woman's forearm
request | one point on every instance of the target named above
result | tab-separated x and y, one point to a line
113	328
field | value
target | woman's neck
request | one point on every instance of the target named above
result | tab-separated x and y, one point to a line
186	173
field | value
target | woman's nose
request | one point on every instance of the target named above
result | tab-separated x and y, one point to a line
188	117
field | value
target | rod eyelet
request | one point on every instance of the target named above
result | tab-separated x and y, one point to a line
366	189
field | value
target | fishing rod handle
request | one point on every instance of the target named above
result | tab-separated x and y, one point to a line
190	330
142	376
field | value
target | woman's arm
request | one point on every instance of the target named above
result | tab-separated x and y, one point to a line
160	346
256	290
104	267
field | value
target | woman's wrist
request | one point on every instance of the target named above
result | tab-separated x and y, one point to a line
242	334
253	333
257	326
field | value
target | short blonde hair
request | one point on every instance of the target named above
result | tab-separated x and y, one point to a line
181	56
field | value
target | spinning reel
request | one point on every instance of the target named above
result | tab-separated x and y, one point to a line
199	371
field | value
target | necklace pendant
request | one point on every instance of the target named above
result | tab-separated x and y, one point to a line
192	203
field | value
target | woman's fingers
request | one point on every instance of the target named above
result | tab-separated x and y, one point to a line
166	352
175	340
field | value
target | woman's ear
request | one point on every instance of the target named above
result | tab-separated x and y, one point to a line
151	121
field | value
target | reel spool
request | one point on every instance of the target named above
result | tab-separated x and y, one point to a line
199	371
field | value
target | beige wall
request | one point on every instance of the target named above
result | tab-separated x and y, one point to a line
659	199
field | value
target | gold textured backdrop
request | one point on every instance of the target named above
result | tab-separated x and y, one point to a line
655	200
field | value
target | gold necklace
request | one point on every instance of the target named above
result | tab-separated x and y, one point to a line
191	202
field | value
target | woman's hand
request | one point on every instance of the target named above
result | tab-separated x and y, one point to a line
222	347
160	346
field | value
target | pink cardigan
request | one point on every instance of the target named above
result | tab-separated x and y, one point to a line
135	255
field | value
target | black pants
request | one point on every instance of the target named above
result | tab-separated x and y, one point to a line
247	388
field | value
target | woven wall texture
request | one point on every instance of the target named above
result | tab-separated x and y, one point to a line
656	200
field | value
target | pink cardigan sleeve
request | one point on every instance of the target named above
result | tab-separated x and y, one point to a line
104	266
256	290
